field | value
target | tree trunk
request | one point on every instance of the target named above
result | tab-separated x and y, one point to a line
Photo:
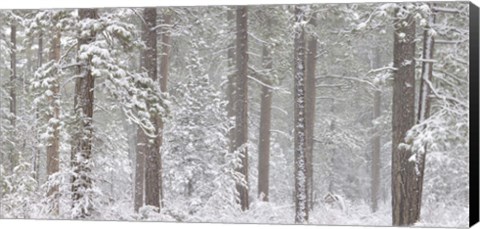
82	145
301	187
310	94
53	144
164	72
152	157
403	118
424	110
376	156
265	123
13	95
241	104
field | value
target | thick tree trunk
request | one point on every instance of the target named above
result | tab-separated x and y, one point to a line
82	145
310	94
265	123
241	103
53	144
424	109
301	187
403	118
152	157
13	156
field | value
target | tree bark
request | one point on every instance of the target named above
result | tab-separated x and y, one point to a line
152	157
264	135
301	186
82	145
241	103
53	144
403	118
310	95
424	110
13	94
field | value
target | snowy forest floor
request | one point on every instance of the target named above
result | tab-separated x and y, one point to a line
354	214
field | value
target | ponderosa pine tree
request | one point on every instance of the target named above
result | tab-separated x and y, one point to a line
152	155
403	118
53	117
299	65
83	107
310	101
265	126
241	101
424	107
13	154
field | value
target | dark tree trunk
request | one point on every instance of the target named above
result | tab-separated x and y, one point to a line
310	94
301	187
13	94
424	110
83	106
403	118
152	156
265	123
241	103
53	144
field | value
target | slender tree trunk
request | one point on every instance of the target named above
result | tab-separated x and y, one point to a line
403	118
265	123
53	144
82	145
13	94
310	94
301	184
424	110
241	104
376	162
152	157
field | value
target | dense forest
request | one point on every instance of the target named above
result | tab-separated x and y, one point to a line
350	114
